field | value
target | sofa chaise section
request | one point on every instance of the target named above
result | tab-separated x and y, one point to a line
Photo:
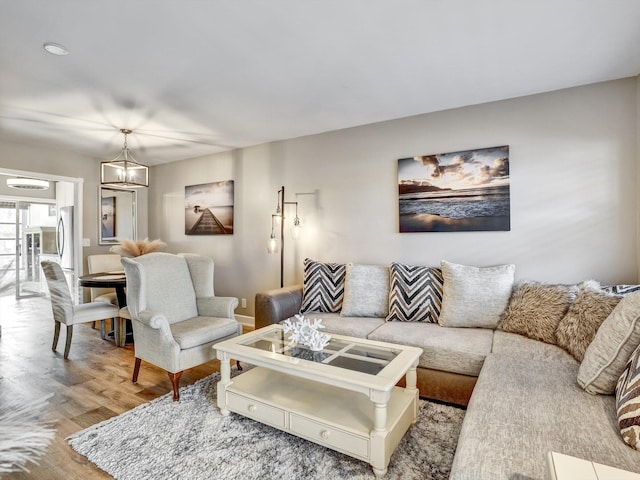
524	406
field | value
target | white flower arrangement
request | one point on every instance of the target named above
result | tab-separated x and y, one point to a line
306	333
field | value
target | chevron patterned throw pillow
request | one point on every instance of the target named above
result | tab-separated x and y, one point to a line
415	294
628	401
622	289
322	287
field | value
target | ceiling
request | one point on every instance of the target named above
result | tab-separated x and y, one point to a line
195	77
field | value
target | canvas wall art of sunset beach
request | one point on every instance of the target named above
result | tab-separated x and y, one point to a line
451	192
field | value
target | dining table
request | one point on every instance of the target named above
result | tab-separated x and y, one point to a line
122	330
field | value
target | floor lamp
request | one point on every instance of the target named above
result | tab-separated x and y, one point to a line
277	220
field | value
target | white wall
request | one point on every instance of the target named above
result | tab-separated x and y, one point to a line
574	198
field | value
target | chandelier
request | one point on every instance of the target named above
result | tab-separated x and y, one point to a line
124	171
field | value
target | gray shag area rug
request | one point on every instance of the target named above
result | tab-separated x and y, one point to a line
190	439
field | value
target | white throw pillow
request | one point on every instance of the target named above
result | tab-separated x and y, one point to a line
614	342
366	291
475	297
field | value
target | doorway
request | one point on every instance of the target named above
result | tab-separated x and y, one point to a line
29	233
7	247
35	241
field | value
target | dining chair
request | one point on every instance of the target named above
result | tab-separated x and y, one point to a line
64	311
109	262
175	315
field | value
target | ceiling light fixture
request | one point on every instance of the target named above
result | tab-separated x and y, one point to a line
55	48
28	183
124	171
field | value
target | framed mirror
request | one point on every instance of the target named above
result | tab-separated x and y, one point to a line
117	215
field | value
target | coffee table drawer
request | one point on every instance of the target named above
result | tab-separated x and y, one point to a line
349	443
257	410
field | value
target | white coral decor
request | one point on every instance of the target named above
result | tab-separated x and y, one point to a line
306	333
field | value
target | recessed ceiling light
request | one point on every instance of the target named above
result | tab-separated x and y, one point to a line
27	183
55	48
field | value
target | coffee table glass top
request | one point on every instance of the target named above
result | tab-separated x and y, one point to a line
339	353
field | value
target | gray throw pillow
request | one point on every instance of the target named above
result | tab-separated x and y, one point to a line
473	296
535	310
366	291
578	327
611	348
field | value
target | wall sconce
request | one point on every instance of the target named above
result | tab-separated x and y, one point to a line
277	220
124	171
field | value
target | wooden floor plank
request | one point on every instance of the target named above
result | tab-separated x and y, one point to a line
94	416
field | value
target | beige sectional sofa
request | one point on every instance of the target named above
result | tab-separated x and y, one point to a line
522	395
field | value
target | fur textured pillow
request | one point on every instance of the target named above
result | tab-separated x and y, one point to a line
578	327
628	401
535	310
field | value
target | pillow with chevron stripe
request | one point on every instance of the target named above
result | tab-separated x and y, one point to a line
322	287
628	401
415	294
621	289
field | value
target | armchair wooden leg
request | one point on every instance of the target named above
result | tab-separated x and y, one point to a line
56	335
175	381
136	370
238	365
67	345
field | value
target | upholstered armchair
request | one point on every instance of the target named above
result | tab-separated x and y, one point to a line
175	316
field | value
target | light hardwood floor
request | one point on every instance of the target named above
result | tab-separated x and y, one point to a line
92	385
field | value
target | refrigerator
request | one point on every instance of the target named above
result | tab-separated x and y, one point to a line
64	238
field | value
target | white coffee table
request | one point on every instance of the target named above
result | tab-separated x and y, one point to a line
344	397
566	467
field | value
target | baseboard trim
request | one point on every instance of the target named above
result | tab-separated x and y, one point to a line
246	320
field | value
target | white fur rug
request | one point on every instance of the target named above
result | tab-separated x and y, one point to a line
191	440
